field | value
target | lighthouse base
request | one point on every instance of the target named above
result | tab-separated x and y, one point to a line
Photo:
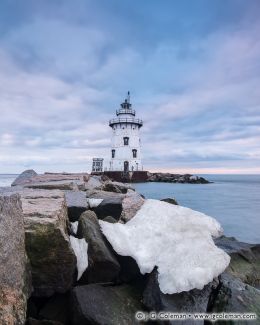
126	177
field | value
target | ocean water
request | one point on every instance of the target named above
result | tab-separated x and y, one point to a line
7	179
234	200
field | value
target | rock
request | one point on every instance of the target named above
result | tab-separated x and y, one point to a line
76	203
32	321
170	200
129	270
24	177
245	259
56	309
55	185
53	181
193	301
94	182
236	297
130	205
110	219
109	207
116	187
15	279
98	194
110	305
47	242
103	265
176	178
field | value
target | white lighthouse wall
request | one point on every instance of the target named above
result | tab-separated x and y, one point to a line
124	152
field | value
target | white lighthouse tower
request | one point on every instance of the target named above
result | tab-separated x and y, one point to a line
126	143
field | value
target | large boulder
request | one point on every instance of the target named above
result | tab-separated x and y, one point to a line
54	185
170	200
99	194
47	242
131	203
76	203
105	305
24	177
109	207
63	181
103	265
245	259
193	301
94	182
234	296
116	187
56	309
15	285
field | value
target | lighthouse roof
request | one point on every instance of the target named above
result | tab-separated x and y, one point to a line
126	107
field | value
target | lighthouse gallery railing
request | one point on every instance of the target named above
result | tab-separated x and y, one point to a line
125	120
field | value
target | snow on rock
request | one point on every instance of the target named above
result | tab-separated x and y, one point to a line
80	248
74	227
177	240
93	203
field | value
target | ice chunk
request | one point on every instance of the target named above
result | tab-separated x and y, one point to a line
80	248
74	227
176	239
93	203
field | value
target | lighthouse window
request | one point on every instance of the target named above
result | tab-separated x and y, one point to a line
126	141
113	153
134	153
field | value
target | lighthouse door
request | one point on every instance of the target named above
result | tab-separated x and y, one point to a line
126	166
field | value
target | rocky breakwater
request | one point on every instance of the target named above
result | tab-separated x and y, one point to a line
98	252
176	178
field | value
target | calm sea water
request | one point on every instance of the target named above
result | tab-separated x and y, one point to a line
7	179
234	200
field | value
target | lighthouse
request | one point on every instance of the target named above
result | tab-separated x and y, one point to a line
125	142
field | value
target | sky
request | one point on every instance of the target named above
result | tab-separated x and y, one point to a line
192	67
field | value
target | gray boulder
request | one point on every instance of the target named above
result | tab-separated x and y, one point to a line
110	219
76	203
99	194
131	203
116	187
47	242
170	200
103	265
109	207
32	321
15	281
234	296
105	305
24	177
54	185
245	259
193	301
56	309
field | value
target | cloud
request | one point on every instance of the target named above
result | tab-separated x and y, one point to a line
196	84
